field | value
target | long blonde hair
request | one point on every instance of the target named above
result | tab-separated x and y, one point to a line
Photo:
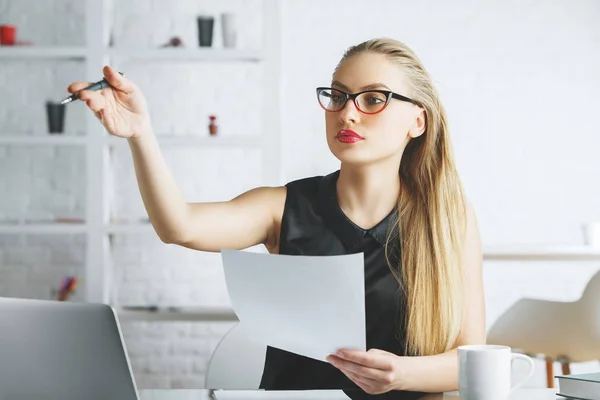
431	216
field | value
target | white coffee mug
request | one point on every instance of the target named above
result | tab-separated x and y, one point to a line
591	234
484	372
229	30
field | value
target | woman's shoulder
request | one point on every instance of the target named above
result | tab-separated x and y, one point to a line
309	192
301	191
311	183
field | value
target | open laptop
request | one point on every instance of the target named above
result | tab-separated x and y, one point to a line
55	350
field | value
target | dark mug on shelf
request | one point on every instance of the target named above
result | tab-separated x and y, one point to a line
205	30
55	113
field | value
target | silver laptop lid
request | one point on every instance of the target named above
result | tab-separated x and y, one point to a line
59	350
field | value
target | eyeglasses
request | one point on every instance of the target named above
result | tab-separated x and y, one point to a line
367	102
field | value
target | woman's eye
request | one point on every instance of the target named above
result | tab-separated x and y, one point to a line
374	100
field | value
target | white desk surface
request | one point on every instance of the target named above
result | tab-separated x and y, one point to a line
189	394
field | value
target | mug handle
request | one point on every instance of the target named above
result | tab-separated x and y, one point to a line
523	357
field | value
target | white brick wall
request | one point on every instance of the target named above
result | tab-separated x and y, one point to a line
44	182
33	266
172	355
518	79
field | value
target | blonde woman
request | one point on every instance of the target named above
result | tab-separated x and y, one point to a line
397	198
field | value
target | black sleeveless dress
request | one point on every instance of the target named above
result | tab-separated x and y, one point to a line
314	224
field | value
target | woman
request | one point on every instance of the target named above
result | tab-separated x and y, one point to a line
397	198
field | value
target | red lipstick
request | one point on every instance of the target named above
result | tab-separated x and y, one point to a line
348	136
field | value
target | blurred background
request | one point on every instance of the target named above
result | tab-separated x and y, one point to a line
231	90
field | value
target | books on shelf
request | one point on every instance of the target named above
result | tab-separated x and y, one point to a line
579	386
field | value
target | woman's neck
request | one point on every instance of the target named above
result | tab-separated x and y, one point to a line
367	194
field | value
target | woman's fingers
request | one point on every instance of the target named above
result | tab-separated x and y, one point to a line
360	382
77	86
117	80
94	100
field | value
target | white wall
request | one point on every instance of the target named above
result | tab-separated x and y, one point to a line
519	81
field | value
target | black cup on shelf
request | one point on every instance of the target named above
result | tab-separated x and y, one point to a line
55	113
206	25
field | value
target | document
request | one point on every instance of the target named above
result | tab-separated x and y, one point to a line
308	305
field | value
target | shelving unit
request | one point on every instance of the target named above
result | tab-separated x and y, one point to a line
20	52
202	141
45	228
57	140
129	228
164	140
96	143
186	54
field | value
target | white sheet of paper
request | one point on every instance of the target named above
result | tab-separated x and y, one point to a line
308	305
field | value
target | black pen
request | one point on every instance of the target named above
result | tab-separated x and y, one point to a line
94	86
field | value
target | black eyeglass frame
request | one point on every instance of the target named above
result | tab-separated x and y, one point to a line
388	93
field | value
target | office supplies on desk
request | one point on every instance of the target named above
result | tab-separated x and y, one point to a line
579	386
67	288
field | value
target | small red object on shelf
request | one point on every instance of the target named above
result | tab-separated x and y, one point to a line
8	35
212	127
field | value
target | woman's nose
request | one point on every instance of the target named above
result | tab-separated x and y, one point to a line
349	113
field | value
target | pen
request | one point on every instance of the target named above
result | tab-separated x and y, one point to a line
94	86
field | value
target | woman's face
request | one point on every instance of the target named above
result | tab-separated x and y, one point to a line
358	138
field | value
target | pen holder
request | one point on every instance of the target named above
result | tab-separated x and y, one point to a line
55	113
205	30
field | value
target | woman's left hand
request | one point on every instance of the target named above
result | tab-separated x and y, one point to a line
374	371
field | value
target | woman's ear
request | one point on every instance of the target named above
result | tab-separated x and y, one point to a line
418	127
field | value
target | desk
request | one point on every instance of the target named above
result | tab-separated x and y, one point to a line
189	394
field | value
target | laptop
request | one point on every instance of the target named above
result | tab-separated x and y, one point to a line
53	350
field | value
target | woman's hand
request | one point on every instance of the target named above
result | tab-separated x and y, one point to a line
374	371
120	107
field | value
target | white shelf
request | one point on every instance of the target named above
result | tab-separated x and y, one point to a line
186	54
46	228
200	141
541	253
59	140
130	228
203	314
68	228
164	140
18	52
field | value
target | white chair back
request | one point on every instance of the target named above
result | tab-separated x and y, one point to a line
555	329
237	362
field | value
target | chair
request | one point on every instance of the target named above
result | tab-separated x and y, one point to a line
565	332
236	363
